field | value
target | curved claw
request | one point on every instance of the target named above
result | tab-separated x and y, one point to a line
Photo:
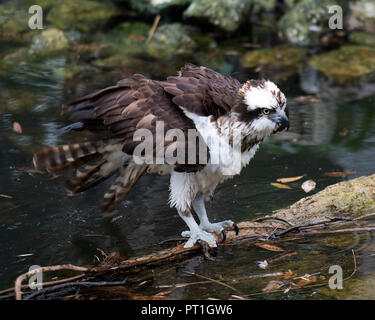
236	229
224	234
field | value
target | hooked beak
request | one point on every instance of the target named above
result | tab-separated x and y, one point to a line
282	122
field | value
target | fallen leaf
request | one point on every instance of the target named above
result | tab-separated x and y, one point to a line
273	285
287	180
280	186
5	196
308	98
307	279
339	173
137	37
289	274
17	127
232	53
308	185
162	293
268	247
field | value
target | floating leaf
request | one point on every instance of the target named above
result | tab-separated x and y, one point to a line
5	196
280	185
339	173
17	127
308	98
289	274
308	185
287	180
307	279
268	247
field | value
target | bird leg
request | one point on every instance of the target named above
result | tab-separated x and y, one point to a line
206	225
195	233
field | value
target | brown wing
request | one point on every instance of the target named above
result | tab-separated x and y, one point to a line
134	103
203	91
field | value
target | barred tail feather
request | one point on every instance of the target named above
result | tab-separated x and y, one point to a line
123	184
59	158
94	163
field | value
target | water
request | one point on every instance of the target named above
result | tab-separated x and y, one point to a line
336	133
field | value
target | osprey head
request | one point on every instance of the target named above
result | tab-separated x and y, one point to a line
264	105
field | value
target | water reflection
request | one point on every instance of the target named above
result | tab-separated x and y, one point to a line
332	133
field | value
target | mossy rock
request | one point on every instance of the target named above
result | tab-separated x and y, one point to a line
130	38
80	15
154	6
346	64
169	40
13	24
50	40
307	22
225	14
361	15
259	6
351	198
282	60
363	38
279	56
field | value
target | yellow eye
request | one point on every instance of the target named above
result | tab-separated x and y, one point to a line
266	111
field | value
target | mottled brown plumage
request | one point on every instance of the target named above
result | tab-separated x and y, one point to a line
115	113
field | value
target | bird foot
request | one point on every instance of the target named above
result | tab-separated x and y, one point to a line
199	234
220	228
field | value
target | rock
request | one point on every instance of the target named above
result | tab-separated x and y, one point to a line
80	15
345	199
14	20
153	7
347	64
170	39
50	40
290	3
280	61
225	14
259	6
361	15
13	24
130	38
307	22
363	38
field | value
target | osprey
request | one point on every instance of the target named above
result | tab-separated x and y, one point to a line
216	106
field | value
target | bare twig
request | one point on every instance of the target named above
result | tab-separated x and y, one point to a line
77	283
22	277
310	224
153	28
354	267
45	284
273	218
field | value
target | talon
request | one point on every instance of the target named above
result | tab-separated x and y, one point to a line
224	234
236	229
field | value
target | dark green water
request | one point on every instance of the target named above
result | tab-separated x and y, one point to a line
336	133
